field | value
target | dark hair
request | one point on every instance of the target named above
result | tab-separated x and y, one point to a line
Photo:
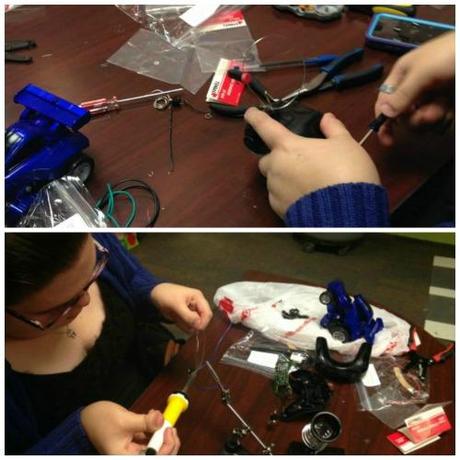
32	260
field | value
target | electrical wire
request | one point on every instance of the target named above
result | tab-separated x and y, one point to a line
107	203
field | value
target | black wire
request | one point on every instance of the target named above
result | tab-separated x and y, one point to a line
137	184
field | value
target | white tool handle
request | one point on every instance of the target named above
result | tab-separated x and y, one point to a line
156	441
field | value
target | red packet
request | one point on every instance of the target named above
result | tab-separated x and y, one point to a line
223	89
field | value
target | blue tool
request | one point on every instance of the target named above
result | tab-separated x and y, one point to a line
348	319
42	146
330	76
322	59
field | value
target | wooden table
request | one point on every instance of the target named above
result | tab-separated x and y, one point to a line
216	182
207	424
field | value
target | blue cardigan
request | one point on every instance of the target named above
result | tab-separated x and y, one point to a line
134	284
343	205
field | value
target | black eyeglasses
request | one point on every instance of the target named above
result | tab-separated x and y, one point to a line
55	314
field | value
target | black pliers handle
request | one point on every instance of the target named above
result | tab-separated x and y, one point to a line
420	363
15	45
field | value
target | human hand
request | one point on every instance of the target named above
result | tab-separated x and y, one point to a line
114	430
297	166
423	82
186	306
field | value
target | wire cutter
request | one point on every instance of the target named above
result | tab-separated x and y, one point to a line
15	45
420	363
330	76
268	101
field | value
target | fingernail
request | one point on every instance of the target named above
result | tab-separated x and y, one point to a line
387	110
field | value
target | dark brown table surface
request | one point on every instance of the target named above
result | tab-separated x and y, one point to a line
216	182
206	425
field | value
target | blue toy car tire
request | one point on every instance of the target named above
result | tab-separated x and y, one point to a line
338	332
325	297
82	168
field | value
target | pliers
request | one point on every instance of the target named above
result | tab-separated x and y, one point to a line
327	79
329	76
420	363
15	45
268	101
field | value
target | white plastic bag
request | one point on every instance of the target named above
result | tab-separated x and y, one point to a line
259	306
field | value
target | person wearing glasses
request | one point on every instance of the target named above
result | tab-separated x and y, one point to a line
83	339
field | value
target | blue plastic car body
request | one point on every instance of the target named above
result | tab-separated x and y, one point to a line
43	145
347	318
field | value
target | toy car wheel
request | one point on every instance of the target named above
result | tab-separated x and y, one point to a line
339	333
82	168
325	298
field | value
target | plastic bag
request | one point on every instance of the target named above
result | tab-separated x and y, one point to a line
146	54
259	306
241	354
395	395
171	50
225	36
64	203
176	24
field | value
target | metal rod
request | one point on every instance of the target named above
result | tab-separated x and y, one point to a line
225	398
364	139
149	96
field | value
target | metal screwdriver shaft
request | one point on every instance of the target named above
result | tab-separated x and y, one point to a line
374	127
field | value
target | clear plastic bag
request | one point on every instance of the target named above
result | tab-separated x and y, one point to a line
146	54
171	50
397	396
240	353
64	203
225	36
175	24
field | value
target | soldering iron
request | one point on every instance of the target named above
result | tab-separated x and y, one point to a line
177	404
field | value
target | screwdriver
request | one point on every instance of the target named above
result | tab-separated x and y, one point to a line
177	404
374	127
104	105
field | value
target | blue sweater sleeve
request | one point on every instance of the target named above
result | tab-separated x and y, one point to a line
69	437
343	205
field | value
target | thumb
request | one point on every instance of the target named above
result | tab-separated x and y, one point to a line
333	127
134	423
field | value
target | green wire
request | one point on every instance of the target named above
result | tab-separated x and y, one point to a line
111	195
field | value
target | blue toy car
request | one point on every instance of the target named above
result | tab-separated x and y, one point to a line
348	319
43	145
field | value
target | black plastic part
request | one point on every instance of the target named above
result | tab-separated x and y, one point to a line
314	394
82	162
301	120
228	110
150	451
233	447
376	124
338	331
350	371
